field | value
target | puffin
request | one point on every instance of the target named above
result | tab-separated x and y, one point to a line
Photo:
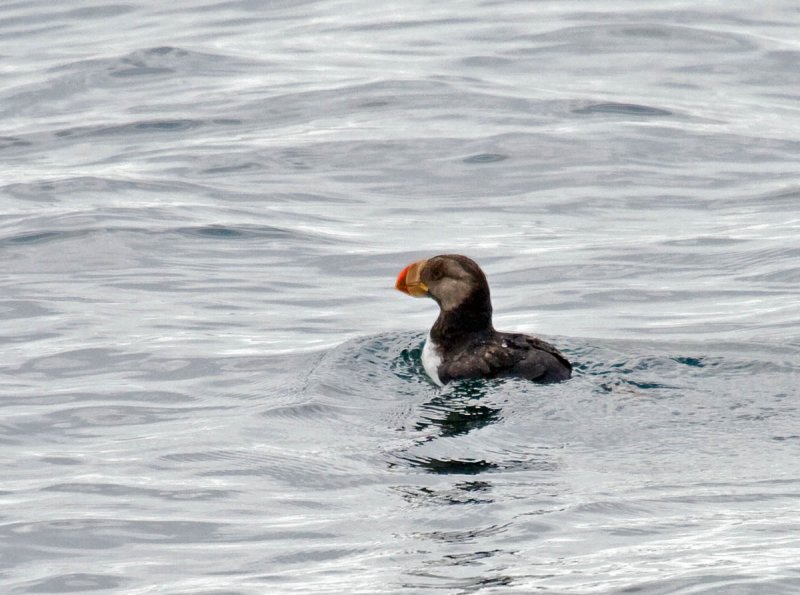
463	344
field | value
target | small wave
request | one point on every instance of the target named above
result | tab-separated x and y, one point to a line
485	158
132	128
630	39
625	109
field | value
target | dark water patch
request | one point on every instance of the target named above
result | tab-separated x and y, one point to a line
486	62
628	39
625	109
408	365
694	362
132	128
7	142
233	168
42	237
485	158
427	581
451	419
707	242
76	229
459	408
378	103
789	276
507	461
253	233
450	466
142	71
465	492
466	536
225	232
228	121
75	583
150	64
192	457
631	386
25	32
785	199
165	125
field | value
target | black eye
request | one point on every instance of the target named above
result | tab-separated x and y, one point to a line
436	272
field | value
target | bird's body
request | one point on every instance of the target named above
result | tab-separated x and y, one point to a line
463	343
495	355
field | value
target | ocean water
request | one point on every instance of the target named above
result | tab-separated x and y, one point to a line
209	385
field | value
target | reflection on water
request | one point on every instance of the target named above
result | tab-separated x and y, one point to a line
458	410
461	492
455	411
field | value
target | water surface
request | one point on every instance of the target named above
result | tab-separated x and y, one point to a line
209	384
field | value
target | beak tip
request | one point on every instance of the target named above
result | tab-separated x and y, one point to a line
400	284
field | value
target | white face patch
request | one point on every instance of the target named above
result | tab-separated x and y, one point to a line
431	360
452	292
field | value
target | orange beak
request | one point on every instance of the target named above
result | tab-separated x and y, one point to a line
409	282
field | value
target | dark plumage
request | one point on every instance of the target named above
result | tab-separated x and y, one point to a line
463	343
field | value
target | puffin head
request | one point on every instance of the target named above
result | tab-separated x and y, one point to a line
450	279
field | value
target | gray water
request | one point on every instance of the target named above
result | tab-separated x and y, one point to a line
209	385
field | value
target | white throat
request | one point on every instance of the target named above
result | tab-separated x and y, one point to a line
431	359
